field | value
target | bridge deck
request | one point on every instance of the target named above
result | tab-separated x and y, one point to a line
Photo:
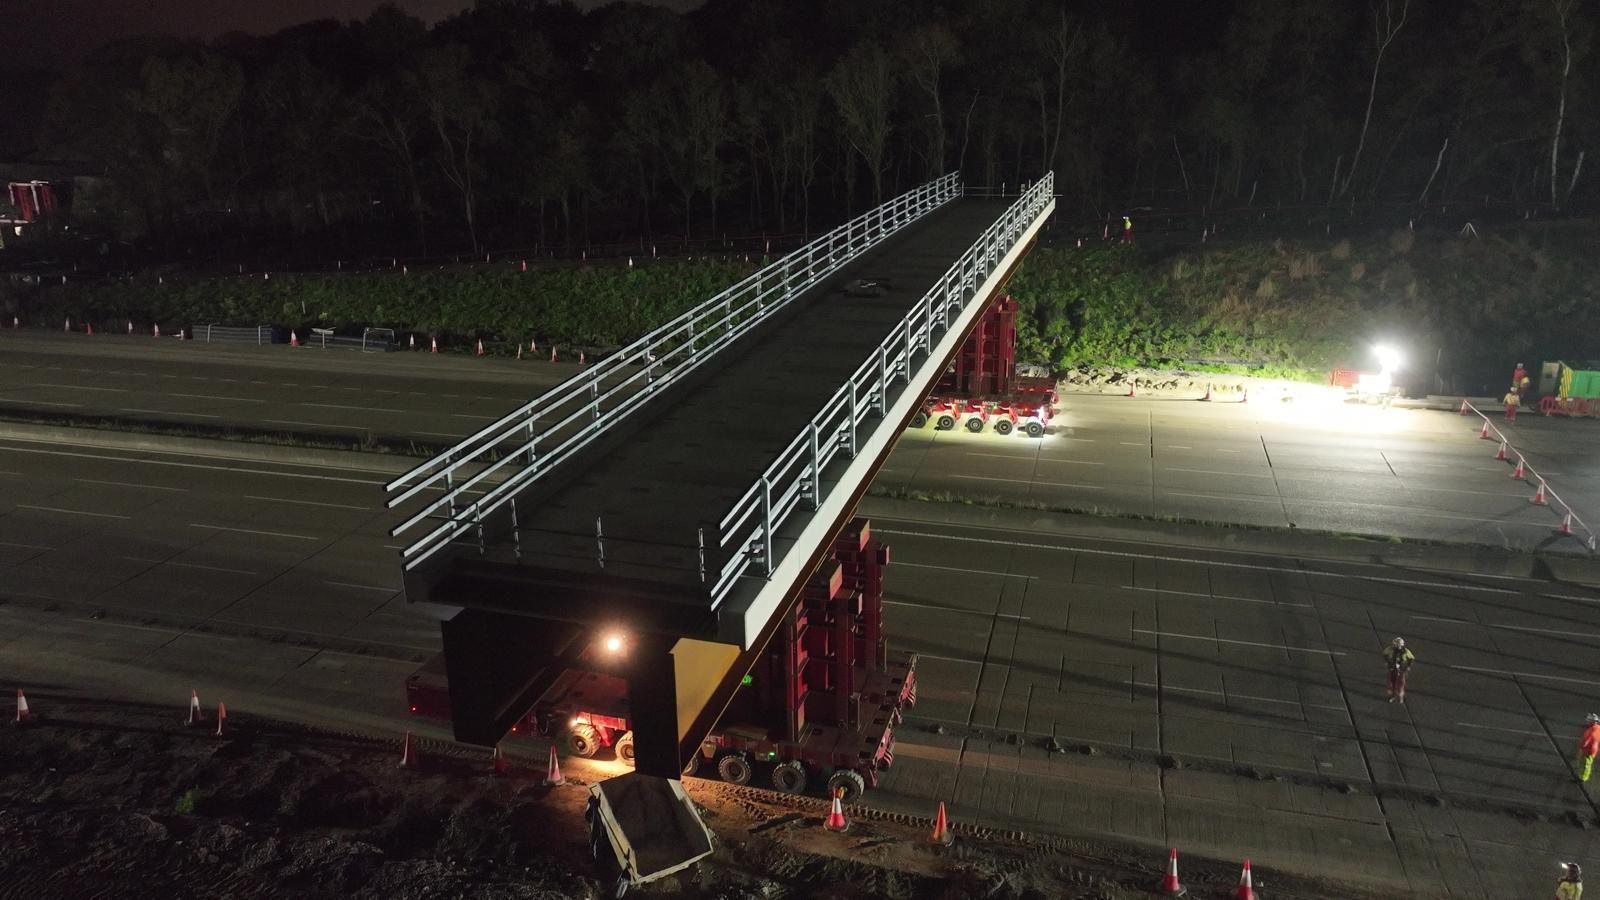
689	457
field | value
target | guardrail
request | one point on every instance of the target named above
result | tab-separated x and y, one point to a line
577	411
219	334
1544	494
745	534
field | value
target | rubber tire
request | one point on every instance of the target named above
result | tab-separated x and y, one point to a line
1035	430
1002	427
583	740
735	769
624	749
790	777
944	422
919	419
693	768
852	783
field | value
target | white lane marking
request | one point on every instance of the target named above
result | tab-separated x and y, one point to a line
312	424
162	412
1221	450
1133	443
215	397
1254	567
445	434
1507	730
1178	447
1013	456
1070	462
9	472
471	416
1226	695
1213	472
1554	631
145	487
1206	596
24	546
282	534
72	512
1202	637
47	403
360	408
1089	487
83	387
162	462
1522	674
901	562
184	565
1230	499
304	502
970	612
958	659
364	587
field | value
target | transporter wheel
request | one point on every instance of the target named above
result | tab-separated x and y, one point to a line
583	740
1035	430
693	767
1003	427
625	748
735	769
919	419
789	777
945	422
974	424
850	782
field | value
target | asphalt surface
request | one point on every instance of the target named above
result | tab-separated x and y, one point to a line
435	397
1333	467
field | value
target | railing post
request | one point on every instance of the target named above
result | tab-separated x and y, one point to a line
516	533
599	542
766	524
850	426
816	468
701	532
449	493
883	381
594	401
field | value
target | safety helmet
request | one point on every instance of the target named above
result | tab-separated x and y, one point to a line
1594	717
1571	870
1398	642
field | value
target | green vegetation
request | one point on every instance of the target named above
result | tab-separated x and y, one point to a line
186	802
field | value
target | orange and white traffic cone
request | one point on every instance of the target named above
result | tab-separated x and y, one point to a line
294	339
1246	889
1131	388
1170	886
1566	525
408	760
1207	397
552	353
519	351
1483	433
524	265
412	343
222	716
836	820
195	716
1518	473
1501	453
155	330
130	326
16	323
67	327
582	361
433	345
1538	497
1244	396
1463	407
24	715
533	345
941	828
480	346
552	772
88	328
497	763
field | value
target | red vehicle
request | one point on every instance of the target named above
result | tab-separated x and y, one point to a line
982	386
817	709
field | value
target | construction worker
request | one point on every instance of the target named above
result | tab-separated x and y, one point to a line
1511	401
1519	375
1588	746
1127	229
1570	887
1398	660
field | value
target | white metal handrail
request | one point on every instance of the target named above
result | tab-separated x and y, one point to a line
1545	490
573	414
745	534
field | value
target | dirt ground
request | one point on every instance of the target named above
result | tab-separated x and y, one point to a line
107	799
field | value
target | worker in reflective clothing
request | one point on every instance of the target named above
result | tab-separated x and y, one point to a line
1398	659
1511	400
1127	228
1588	746
1570	887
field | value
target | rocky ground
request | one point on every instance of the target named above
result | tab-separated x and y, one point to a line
110	800
1182	385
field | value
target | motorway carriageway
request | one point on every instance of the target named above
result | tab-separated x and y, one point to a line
1228	661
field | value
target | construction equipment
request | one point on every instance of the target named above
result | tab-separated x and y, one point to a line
644	828
981	390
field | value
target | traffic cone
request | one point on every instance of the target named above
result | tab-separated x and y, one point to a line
581	360
497	763
1245	396
1207	397
408	760
533	345
15	323
24	715
433	345
1566	526
552	772
552	353
1483	433
195	716
1131	391
155	330
1170	886
1518	472
1501	453
405	270
222	716
519	351
1538	495
88	328
1246	889
1463	407
412	343
524	265
941	828
835	820
68	326
294	339
480	346
130	326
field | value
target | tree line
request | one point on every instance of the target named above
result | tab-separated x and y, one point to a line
522	122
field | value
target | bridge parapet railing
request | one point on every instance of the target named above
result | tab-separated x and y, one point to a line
744	536
531	440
